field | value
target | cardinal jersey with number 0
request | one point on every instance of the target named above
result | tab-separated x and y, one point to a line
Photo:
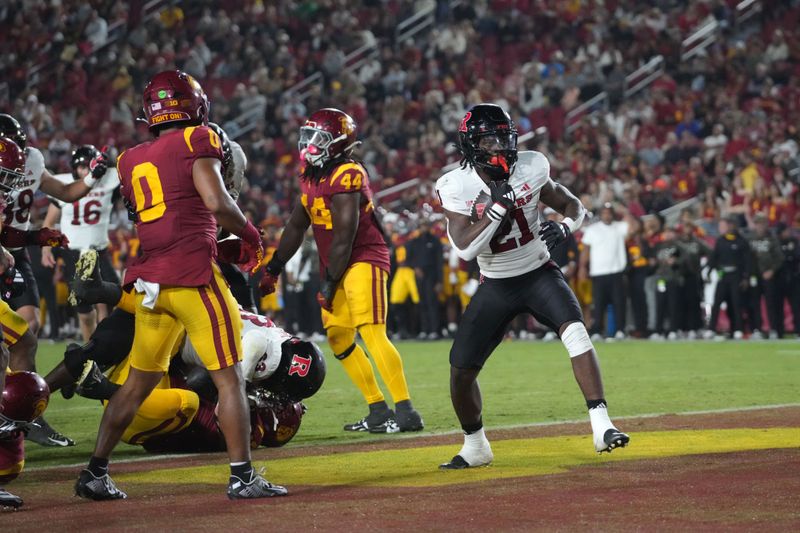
369	245
516	247
85	222
176	230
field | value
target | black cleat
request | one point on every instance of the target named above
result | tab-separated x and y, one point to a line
92	383
376	422
87	274
8	500
97	488
612	438
40	432
257	487
456	463
407	420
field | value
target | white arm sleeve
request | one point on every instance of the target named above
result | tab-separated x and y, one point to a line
478	244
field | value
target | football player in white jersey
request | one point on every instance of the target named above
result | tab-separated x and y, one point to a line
18	211
85	222
17	214
491	205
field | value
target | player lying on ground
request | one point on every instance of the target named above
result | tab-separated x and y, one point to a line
179	415
17	333
23	398
491	205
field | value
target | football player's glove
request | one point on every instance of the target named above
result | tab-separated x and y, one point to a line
554	233
232	251
253	247
326	291
100	164
503	198
272	273
50	237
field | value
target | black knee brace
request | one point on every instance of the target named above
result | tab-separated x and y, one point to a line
345	353
111	342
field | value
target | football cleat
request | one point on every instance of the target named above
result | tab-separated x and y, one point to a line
407	420
96	488
91	384
612	438
42	434
257	487
9	500
459	463
380	422
87	272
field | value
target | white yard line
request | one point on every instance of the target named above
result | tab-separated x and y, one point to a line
453	432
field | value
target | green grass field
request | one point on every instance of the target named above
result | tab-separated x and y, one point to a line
523	383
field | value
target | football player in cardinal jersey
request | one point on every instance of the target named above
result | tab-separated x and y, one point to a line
337	203
175	189
85	222
491	205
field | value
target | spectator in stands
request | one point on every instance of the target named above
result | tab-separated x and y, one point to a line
604	260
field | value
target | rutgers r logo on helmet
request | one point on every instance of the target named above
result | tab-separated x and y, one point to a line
487	140
300	366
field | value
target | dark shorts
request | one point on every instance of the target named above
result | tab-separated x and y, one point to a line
543	292
240	287
107	271
22	263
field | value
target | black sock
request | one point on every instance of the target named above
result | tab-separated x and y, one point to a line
98	466
591	404
378	407
243	471
469	429
403	405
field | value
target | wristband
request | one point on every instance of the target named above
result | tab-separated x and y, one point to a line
90	181
496	211
573	225
249	233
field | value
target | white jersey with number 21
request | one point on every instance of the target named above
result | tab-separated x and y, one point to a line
516	247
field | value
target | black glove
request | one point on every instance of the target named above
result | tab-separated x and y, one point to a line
503	198
99	165
554	233
326	291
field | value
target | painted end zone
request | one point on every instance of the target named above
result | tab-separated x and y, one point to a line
416	467
734	471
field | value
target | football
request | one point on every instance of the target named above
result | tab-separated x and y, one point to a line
479	205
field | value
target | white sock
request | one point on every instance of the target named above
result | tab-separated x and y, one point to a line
601	423
476	449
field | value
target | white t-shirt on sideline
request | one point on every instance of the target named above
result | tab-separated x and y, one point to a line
607	254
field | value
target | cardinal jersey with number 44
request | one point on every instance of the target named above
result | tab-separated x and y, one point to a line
176	230
516	247
317	198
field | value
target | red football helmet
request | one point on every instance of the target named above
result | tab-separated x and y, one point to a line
174	96
12	165
24	399
277	417
327	135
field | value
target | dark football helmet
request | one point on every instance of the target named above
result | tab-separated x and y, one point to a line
301	371
12	165
25	397
227	154
327	135
83	155
487	139
11	128
280	419
174	96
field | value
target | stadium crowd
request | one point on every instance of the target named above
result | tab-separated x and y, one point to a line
717	132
